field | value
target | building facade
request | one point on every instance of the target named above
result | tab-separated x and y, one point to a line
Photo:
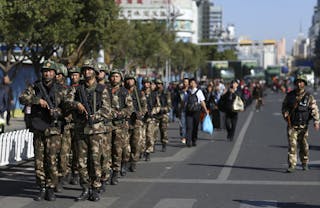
181	14
314	29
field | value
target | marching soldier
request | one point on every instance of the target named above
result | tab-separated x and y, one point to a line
103	71
121	102
93	103
298	107
153	108
163	117
64	144
75	76
45	98
136	124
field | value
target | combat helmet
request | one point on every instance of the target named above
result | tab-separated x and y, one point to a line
89	63
146	80
158	81
48	64
74	69
301	77
61	69
116	71
129	75
103	67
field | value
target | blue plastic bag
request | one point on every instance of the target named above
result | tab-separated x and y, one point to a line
207	125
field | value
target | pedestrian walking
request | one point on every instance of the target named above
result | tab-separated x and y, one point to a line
298	108
226	105
195	103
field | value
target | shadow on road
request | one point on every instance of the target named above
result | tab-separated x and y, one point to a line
276	204
278	170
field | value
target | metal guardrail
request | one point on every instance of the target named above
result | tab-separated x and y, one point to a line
16	146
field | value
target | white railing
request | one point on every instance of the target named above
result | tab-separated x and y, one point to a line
16	146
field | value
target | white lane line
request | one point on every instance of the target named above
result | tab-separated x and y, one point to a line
17	202
215	181
174	203
225	172
103	203
256	204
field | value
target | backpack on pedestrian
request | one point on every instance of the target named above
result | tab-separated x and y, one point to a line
192	103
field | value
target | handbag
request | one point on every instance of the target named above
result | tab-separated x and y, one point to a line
207	125
238	104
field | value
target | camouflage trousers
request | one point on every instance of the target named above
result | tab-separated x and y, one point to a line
90	154
297	137
152	127
120	147
163	128
136	134
45	154
106	160
75	135
64	155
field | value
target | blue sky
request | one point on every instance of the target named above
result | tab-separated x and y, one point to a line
268	19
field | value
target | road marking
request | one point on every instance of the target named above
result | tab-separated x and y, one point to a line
226	170
180	156
255	204
216	181
103	203
18	202
173	203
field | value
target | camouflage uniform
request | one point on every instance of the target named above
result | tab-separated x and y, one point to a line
136	124
64	143
298	108
46	126
163	117
96	100
152	125
121	102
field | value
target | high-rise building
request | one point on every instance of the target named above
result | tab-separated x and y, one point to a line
210	20
314	29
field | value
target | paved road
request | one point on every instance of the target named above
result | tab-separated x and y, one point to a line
246	173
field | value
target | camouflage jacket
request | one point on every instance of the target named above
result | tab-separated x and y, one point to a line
121	103
96	100
139	102
48	121
299	108
153	104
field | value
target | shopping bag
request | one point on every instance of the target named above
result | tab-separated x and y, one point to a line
207	126
238	104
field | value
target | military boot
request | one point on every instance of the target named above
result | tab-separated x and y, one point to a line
115	178
75	179
41	195
95	195
147	156
59	186
164	147
84	195
123	171
103	186
50	196
133	167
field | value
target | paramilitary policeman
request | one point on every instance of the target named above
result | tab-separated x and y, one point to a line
153	108
93	103
121	102
298	107
75	77
136	124
163	117
46	98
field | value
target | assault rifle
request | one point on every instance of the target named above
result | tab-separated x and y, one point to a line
54	112
84	101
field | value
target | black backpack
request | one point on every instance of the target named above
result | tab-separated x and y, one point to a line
192	103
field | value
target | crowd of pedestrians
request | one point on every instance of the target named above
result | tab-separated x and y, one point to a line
96	127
